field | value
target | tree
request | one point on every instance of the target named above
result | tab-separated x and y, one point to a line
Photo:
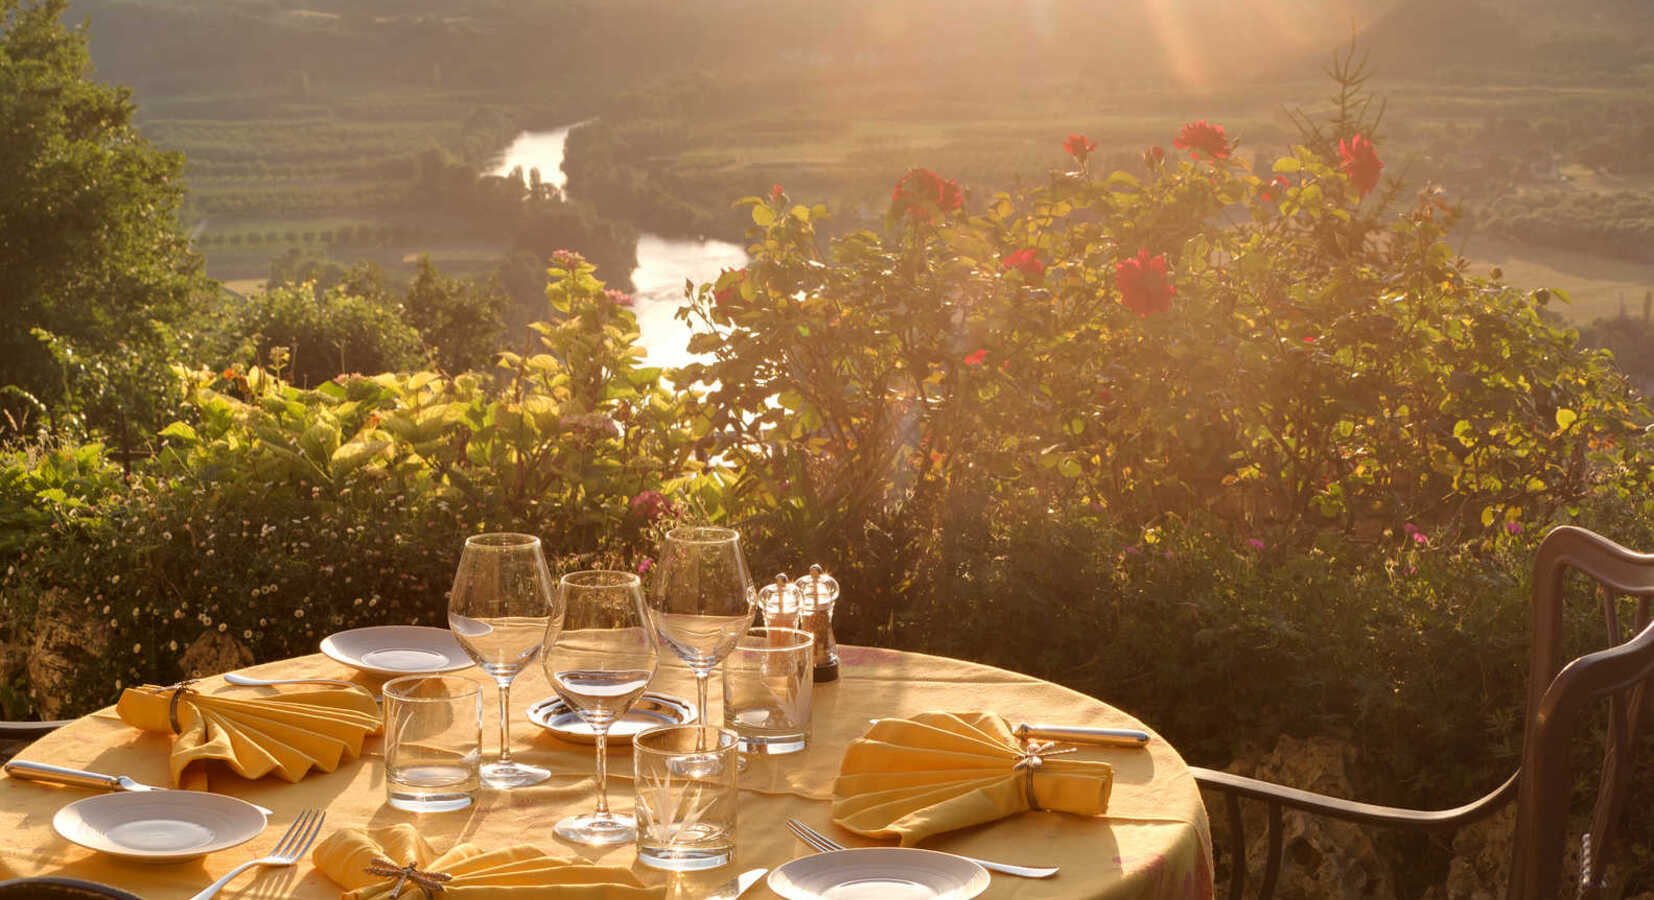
91	249
461	321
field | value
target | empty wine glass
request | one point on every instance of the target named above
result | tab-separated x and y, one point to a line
701	600
501	610
600	664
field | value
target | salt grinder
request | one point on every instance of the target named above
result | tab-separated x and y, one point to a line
818	591
780	602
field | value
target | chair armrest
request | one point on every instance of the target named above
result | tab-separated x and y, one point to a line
1350	810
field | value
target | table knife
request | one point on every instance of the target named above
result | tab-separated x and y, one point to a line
46	772
735	888
1074	734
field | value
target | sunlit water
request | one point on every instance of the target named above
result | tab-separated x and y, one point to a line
662	263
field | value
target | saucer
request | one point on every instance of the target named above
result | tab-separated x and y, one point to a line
398	650
159	826
650	710
879	873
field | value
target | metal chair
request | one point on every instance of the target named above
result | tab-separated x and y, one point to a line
14	736
55	888
1556	697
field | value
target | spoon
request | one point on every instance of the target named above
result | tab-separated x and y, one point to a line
244	681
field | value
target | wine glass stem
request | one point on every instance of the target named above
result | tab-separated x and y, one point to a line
505	722
602	771
702	679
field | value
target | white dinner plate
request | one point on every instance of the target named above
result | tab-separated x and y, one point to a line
159	826
650	710
397	650
879	873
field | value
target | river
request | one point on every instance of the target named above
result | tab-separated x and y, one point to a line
662	263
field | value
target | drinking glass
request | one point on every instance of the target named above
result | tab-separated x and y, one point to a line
701	599
501	610
684	777
768	689
433	742
599	664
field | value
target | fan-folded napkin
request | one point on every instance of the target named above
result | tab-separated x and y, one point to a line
286	734
349	856
936	772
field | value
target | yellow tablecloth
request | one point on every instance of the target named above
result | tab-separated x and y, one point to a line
1153	843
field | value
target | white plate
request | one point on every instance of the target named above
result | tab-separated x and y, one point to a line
650	710
398	650
879	873
159	826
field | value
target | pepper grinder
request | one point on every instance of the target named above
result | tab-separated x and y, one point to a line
780	602
818	591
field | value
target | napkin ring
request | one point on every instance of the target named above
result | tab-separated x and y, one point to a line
178	692
430	883
1033	757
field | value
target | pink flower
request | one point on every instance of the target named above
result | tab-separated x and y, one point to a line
1025	261
1143	285
1200	137
650	505
1513	528
1360	163
1413	532
1079	146
566	259
618	297
644	567
1255	543
1154	157
975	359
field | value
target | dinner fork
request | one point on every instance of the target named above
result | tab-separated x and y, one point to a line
289	850
824	843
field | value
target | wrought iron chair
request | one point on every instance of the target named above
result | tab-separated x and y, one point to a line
14	736
1556	697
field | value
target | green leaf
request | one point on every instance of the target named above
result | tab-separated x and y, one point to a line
181	431
1565	417
763	216
1288	164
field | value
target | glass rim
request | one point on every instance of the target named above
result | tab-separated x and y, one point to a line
502	540
728	740
394	688
800	639
600	578
703	534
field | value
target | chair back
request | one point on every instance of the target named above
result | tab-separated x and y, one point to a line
1557	698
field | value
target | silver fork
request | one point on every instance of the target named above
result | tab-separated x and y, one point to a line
824	843
289	850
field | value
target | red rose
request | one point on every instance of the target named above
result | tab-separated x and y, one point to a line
975	359
1360	163
1275	189
1025	261
1154	157
729	281
1143	286
1079	146
1199	137
922	193
776	194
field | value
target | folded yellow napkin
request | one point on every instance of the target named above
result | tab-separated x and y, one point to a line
286	734
936	772
350	857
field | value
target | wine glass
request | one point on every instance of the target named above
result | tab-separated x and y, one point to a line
599	664
502	609
701	600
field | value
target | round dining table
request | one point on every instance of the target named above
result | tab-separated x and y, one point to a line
1153	842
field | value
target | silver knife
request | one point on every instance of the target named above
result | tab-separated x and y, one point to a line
740	885
1074	734
46	772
